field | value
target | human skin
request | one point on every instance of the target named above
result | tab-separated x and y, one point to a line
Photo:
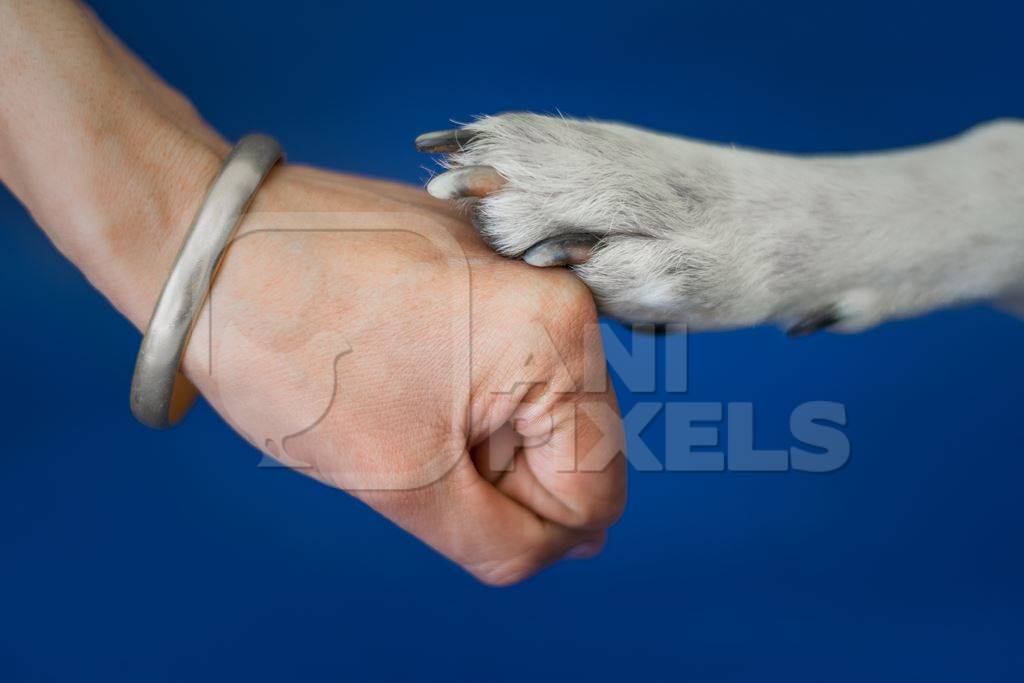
357	330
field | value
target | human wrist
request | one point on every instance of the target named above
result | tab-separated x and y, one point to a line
141	218
124	218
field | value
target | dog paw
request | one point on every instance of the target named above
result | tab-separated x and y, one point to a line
641	217
665	229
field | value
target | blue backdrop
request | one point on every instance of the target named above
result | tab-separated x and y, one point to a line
133	555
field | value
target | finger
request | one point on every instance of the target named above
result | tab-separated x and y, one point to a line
495	455
487	533
563	250
588	549
574	475
444	141
467	181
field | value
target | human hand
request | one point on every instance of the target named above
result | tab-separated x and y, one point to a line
357	330
372	342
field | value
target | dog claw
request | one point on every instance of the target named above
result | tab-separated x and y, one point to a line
565	250
826	317
467	181
444	141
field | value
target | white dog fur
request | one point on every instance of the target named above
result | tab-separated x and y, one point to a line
717	236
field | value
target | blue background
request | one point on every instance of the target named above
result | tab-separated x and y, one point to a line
133	555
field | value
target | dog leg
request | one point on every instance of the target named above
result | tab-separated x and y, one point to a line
665	229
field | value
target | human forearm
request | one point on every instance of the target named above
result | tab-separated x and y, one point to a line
106	169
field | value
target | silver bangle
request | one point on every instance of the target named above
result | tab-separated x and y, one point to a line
161	395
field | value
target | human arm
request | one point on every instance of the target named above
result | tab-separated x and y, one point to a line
357	330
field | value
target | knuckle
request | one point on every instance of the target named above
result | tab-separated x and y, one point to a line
599	513
569	302
566	310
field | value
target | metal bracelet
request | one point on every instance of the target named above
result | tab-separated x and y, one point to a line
160	394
